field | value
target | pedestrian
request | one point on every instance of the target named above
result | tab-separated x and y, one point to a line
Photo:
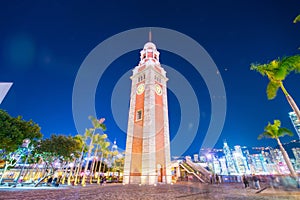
217	179
49	181
245	181
54	181
256	182
104	180
271	180
101	180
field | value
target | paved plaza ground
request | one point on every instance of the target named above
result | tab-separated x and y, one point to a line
135	192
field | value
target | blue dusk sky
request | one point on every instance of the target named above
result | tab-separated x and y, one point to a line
43	44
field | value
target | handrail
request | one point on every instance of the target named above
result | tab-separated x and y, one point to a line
202	170
190	172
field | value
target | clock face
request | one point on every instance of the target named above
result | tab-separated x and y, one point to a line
158	89
140	88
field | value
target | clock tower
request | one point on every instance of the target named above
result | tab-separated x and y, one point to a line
147	156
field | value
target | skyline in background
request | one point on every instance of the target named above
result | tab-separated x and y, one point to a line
43	44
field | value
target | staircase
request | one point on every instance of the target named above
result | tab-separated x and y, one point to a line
189	170
201	171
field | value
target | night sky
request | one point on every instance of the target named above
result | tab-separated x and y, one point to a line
44	43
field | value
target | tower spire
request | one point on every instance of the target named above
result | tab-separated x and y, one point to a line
150	35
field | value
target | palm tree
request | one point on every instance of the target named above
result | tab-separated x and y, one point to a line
97	124
274	131
81	139
104	152
65	171
113	160
90	133
120	161
277	71
71	171
97	140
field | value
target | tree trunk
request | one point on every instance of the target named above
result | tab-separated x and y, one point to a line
293	105
87	162
71	172
65	172
96	166
79	165
92	167
290	100
286	159
21	171
77	171
99	171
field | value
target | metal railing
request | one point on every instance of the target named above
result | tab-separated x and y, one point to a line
205	173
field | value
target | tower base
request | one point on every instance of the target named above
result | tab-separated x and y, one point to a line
147	180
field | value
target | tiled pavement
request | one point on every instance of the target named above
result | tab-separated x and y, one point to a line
135	192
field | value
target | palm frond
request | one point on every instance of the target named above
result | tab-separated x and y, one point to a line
273	65
259	68
291	63
285	131
297	19
265	134
103	137
275	131
272	89
277	123
103	127
88	133
98	124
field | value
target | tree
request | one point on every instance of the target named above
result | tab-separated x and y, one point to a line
274	131
14	130
104	152
98	139
113	158
78	155
57	148
97	124
12	159
277	71
82	139
118	162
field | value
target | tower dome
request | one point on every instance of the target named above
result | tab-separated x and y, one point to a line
114	146
149	45
149	54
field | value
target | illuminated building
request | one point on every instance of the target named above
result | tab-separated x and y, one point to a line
223	166
231	166
296	152
240	160
295	122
